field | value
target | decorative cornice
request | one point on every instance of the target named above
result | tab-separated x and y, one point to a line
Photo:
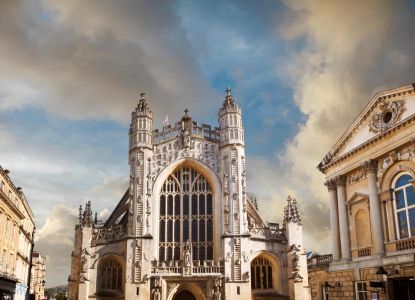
330	163
356	125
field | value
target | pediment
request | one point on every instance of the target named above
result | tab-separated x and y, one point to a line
384	112
356	197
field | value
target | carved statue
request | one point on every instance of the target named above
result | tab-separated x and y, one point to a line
187	258
186	138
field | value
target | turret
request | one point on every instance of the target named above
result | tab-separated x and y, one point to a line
297	260
230	122
141	128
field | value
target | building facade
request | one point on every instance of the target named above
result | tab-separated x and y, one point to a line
16	239
38	276
186	227
370	179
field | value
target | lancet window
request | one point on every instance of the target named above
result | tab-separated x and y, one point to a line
404	197
186	214
261	274
110	273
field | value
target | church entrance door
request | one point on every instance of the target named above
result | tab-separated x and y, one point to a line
184	295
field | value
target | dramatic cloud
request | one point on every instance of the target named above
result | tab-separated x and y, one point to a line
100	54
55	240
349	50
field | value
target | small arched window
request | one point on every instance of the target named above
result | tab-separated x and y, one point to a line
110	273
261	274
404	199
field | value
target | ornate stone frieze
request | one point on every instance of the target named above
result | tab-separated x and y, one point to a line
407	153
115	232
168	153
357	176
387	115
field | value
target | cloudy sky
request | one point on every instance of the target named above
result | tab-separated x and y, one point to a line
71	73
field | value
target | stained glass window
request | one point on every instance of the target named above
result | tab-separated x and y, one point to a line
405	206
186	213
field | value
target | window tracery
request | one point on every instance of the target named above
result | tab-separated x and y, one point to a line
186	213
261	274
404	203
110	272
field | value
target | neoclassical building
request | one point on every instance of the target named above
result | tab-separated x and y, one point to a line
17	228
370	179
186	227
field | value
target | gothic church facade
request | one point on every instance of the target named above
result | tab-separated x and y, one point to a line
186	227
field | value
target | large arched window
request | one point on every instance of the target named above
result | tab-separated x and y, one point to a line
404	197
110	275
186	214
261	274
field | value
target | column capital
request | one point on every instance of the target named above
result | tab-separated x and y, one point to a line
330	184
340	180
370	166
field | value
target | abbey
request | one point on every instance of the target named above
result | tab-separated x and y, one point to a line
186	227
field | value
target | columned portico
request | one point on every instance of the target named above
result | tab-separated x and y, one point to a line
343	218
375	210
334	219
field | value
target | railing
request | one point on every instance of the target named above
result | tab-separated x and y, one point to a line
319	261
7	272
170	131
364	252
264	232
405	244
207	267
116	232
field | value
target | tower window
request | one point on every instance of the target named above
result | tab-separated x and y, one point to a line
110	272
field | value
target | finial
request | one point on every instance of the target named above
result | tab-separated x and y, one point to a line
96	218
228	91
185	112
142	94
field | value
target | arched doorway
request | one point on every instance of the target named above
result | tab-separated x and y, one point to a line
184	295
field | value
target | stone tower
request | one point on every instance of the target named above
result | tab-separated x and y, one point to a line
233	175
139	223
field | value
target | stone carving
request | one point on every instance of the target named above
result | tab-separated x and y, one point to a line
245	256
294	256
186	138
229	256
407	153
187	270
156	291
115	232
217	289
171	286
357	176
208	155
83	276
388	115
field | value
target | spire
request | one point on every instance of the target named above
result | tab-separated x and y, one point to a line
80	215
291	211
229	102
87	215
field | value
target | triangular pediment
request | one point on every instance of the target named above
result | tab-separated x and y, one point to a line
384	111
356	197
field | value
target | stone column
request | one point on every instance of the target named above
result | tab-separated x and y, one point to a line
343	217
375	209
334	219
